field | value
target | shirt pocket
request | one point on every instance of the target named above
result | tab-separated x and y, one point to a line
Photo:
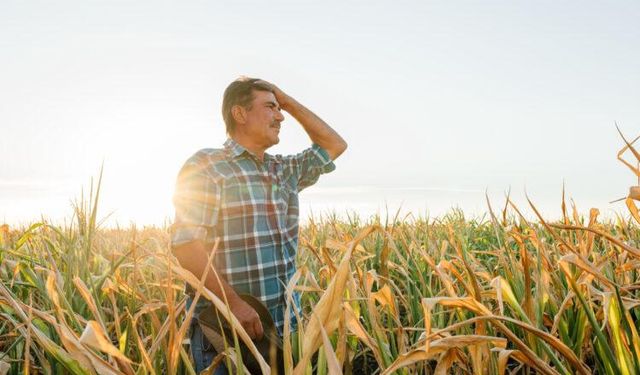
236	207
286	193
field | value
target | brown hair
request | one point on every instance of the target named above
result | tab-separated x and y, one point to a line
240	92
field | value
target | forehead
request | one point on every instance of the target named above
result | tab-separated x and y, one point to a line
260	96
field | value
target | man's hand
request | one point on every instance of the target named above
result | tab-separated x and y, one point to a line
193	257
283	99
247	316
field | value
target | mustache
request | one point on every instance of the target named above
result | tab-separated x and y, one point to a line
276	123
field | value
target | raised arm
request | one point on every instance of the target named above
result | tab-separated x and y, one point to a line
318	130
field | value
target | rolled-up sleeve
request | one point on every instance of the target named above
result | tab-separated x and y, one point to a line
196	201
308	165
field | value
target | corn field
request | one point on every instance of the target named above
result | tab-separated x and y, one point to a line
399	295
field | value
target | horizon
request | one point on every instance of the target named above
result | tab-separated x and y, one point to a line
365	209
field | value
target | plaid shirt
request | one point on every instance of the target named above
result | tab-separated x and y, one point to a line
253	207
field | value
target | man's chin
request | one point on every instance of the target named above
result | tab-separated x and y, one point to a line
270	142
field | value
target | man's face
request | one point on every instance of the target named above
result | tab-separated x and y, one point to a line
263	119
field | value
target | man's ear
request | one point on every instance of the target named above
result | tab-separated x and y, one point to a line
239	114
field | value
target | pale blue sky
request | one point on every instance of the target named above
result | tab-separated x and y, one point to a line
438	100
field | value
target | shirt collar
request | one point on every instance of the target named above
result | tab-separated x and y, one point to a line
235	149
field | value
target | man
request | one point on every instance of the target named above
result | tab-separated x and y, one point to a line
248	199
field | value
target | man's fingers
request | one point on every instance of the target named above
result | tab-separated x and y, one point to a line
249	319
252	332
249	328
265	82
254	328
258	329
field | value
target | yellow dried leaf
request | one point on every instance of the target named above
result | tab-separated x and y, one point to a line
629	146
586	266
108	286
4	367
88	298
52	291
633	209
147	308
95	337
332	362
146	359
385	298
410	358
445	362
503	358
287	350
327	310
505	354
355	327
333	244
370	278
466	340
440	346
497	284
427	306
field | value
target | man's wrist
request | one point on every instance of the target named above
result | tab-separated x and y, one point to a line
233	298
287	103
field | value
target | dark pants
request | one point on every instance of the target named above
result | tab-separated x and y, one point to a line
203	352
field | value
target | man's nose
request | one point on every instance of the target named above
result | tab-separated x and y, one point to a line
279	115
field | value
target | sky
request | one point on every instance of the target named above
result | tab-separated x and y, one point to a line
441	102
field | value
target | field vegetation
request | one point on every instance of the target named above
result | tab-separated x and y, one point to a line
394	295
